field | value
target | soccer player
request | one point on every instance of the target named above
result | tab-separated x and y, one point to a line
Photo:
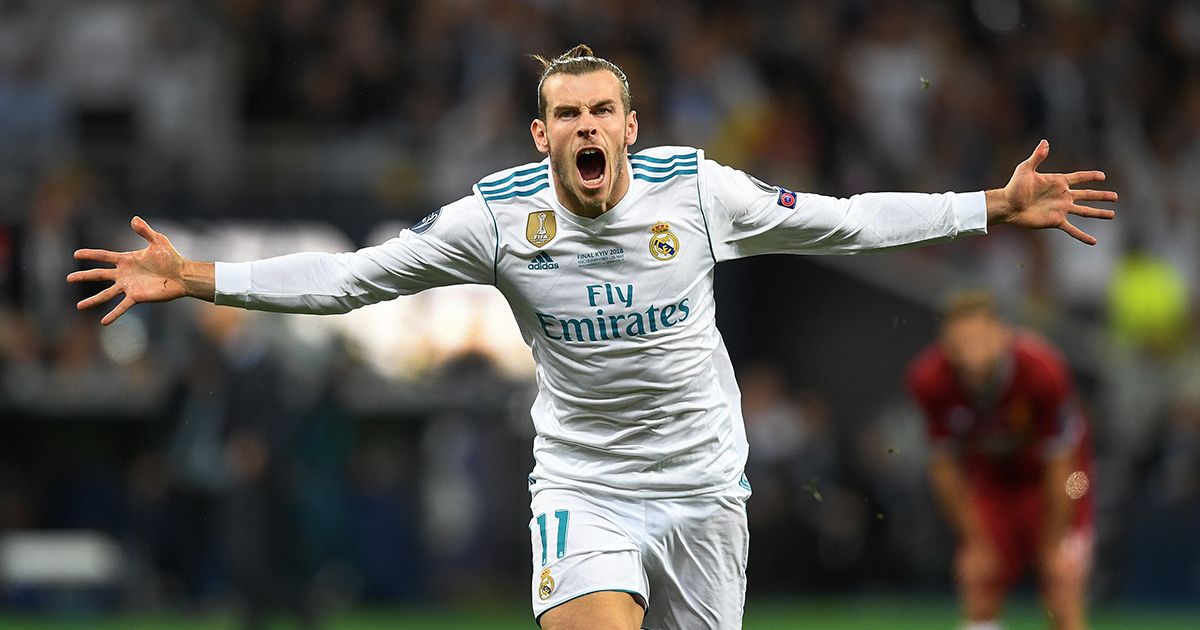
1011	462
606	259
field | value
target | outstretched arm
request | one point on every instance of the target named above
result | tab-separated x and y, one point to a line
1046	200
157	273
457	248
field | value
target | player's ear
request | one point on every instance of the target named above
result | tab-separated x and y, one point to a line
631	128
538	130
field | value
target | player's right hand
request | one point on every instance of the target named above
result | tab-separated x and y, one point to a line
153	274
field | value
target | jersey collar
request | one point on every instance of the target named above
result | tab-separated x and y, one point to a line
604	220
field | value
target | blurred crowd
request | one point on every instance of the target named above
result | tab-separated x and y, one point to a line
304	463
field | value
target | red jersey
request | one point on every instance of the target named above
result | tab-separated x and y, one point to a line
1005	440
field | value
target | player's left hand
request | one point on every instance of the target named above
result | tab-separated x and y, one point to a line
1046	200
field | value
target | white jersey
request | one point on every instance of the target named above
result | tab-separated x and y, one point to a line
636	392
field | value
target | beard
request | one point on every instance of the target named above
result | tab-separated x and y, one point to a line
592	202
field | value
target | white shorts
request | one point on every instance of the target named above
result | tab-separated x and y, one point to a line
682	559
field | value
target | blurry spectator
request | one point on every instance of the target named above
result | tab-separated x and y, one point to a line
283	42
714	96
1148	313
52	358
49	236
889	67
46	344
460	491
235	454
186	117
475	139
893	455
1162	560
352	83
35	126
1177	479
97	50
792	468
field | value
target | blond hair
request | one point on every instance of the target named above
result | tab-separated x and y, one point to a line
970	302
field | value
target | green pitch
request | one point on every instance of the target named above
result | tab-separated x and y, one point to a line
832	614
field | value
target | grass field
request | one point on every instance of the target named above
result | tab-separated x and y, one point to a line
834	614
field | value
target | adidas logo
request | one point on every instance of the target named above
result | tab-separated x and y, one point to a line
542	261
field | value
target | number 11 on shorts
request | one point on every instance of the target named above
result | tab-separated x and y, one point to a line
563	517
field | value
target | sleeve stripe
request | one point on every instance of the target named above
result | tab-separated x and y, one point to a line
657	180
638	157
520	182
518	193
704	217
496	254
491	186
663	169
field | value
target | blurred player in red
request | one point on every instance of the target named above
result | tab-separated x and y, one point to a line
1011	461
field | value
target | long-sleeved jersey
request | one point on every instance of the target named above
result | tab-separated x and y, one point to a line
636	392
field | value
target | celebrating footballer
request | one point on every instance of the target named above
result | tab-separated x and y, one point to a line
606	257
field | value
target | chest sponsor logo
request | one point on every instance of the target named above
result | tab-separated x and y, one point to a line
542	261
541	227
600	257
611	312
663	244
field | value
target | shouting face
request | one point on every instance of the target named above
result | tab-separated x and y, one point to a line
586	133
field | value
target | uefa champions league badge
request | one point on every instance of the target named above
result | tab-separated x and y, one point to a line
545	585
541	227
423	225
663	244
787	198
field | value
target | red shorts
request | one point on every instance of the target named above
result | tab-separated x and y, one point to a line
1015	518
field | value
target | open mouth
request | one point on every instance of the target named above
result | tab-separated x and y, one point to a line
590	163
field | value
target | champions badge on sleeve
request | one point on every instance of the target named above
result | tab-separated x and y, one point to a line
422	226
787	198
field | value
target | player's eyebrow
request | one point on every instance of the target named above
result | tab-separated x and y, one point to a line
608	102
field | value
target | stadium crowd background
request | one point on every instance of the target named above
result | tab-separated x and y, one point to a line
381	456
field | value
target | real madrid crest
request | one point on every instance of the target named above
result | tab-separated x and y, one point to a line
541	227
663	244
545	585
